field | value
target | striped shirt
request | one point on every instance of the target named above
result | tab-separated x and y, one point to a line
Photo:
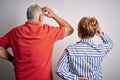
83	59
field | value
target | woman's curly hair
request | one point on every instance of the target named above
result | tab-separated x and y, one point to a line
87	27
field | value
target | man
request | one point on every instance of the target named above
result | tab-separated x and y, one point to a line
32	44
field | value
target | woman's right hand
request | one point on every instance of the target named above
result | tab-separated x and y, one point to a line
99	32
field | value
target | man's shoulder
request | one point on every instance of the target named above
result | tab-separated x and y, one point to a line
16	27
51	26
46	25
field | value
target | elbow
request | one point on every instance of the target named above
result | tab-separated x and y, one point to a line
72	30
112	45
57	72
68	31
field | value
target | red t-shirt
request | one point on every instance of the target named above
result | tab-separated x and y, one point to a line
32	47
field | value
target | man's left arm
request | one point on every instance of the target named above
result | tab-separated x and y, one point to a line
4	45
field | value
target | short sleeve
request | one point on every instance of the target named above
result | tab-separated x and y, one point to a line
5	40
59	33
56	33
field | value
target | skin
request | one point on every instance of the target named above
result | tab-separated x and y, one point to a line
4	54
99	32
68	28
82	78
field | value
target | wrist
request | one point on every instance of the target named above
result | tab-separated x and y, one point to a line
54	16
101	34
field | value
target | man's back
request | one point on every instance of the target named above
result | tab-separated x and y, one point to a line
32	46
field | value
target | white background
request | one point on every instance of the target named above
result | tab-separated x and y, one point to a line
13	13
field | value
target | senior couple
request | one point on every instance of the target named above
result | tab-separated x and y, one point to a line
32	45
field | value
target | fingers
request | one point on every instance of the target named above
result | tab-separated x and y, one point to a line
44	9
99	31
48	12
99	28
82	78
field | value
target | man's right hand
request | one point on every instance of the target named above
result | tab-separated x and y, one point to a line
62	23
82	78
48	12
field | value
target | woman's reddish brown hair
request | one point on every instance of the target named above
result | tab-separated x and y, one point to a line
87	27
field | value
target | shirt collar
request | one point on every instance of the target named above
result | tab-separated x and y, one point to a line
33	22
86	41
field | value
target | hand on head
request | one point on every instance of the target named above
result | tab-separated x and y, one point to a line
99	32
48	12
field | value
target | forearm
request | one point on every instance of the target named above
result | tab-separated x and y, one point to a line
106	39
68	28
62	68
63	23
63	72
107	44
4	54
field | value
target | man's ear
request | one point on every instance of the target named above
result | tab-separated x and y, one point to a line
41	18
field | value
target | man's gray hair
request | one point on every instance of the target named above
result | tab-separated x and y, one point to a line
34	11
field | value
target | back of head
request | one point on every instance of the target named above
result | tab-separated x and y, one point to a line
33	12
87	27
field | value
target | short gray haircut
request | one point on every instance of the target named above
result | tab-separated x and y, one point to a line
34	11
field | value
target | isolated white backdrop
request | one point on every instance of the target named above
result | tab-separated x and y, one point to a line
13	13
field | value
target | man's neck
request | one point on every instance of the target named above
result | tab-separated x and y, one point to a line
35	21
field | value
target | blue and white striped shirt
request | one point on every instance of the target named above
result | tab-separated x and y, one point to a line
84	59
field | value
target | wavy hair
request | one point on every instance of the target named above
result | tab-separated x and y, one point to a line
87	27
